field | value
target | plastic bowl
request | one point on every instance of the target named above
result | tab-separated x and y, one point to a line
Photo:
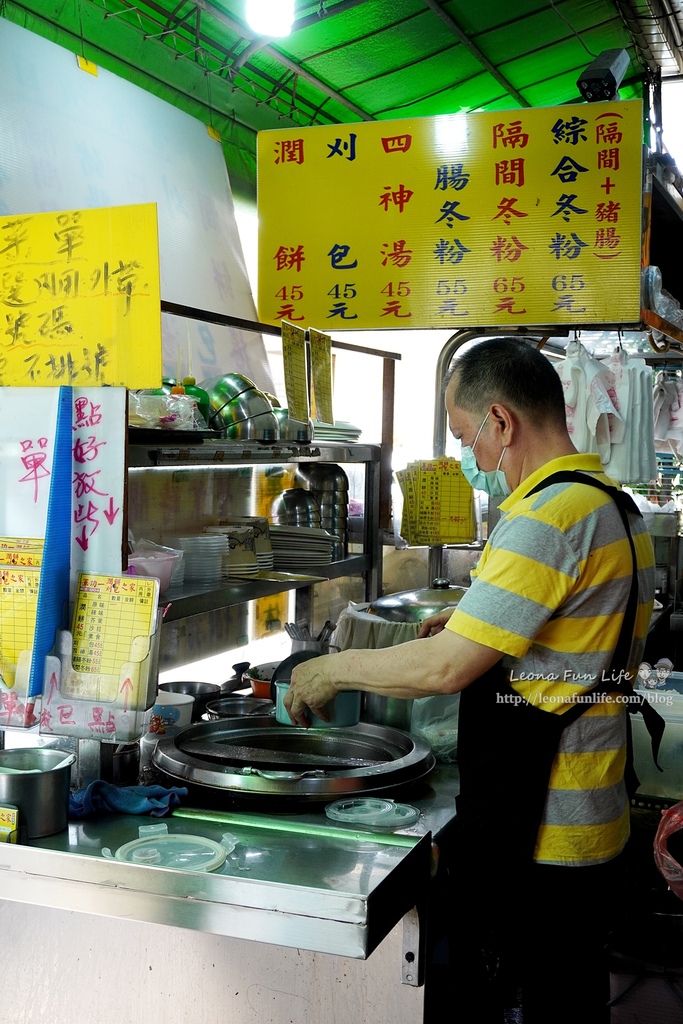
159	566
345	709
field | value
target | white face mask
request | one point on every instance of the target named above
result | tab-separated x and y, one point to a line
492	481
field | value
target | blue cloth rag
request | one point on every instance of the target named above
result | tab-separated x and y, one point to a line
104	798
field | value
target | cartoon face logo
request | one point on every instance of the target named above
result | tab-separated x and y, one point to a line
646	677
663	669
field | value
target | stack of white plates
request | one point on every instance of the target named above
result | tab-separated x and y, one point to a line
300	547
337	431
203	556
240	557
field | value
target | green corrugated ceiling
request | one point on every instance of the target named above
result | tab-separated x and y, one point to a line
351	60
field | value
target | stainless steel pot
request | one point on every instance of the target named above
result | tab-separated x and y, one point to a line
416	605
202	693
38	787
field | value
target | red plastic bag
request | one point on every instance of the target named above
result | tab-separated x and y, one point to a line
671	822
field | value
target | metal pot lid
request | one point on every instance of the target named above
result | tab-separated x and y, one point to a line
260	757
232	707
416	605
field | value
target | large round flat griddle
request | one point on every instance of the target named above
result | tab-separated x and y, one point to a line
258	756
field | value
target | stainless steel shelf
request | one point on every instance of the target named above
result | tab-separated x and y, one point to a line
287	897
305	883
193	599
236	453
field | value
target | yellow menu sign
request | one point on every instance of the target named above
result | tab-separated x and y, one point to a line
79	298
438	503
296	373
502	218
18	606
321	370
112	622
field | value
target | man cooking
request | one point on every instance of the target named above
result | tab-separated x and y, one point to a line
556	609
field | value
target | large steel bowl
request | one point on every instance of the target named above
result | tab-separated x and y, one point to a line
225	387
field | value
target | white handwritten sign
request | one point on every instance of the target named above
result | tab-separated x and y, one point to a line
98	479
27	427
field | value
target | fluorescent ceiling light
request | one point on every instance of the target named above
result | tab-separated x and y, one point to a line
270	17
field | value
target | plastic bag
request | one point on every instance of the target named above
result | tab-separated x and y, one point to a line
435	720
169	412
671	822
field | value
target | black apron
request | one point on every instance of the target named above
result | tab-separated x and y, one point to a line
506	746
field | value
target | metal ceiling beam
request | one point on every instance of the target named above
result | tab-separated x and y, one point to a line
274	54
260	42
651	28
151	5
462	37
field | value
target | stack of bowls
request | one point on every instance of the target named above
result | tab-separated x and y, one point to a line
240	558
202	693
262	543
329	485
203	556
295	507
239	408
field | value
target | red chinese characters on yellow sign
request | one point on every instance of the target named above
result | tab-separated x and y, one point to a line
511	217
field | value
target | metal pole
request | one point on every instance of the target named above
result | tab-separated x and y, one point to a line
455	342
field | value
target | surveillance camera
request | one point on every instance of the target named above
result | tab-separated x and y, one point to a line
603	76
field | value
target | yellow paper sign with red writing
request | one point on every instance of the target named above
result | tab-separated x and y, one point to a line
80	298
516	217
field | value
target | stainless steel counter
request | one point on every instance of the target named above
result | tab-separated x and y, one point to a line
295	877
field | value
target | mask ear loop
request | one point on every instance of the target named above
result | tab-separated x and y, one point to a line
481	428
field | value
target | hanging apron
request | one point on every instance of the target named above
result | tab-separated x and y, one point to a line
506	746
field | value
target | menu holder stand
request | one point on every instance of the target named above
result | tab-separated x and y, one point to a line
114	708
19	710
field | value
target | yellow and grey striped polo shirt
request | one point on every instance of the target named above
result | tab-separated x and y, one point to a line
549	592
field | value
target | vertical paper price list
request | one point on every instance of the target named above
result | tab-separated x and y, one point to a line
110	613
438	506
18	604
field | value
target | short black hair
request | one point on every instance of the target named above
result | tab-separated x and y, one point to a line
511	371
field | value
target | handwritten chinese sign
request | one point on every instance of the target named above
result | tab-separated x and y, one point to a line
503	218
97	479
79	298
98	440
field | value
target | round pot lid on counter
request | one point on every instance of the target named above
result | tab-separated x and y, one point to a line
258	757
373	813
158	848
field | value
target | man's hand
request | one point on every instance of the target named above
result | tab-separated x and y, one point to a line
434	624
311	689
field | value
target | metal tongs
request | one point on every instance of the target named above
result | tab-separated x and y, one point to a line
326	632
